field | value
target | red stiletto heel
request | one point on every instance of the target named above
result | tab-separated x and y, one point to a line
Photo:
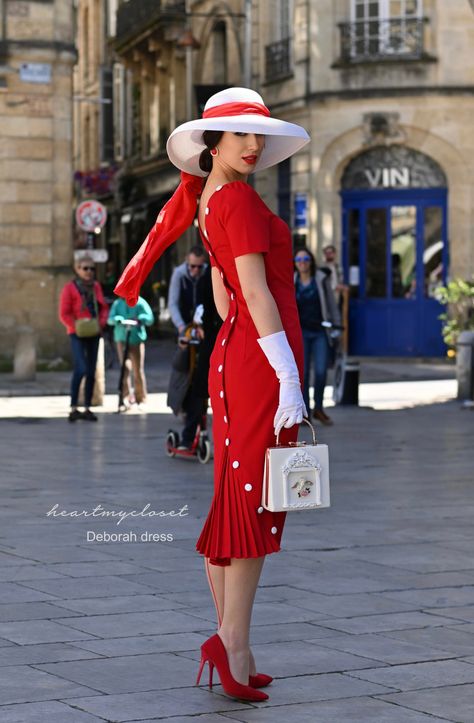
260	680
211	668
200	670
213	651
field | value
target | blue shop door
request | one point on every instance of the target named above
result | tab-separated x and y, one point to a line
395	254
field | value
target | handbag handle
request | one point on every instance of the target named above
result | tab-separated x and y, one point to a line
312	431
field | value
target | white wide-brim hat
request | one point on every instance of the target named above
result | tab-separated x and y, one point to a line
236	110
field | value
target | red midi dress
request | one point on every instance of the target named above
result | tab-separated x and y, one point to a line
243	387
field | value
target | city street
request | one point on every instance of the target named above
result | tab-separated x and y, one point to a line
367	615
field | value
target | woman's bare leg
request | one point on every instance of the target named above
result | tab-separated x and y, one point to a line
216	577
240	585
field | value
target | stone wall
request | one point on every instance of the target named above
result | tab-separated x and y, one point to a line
35	173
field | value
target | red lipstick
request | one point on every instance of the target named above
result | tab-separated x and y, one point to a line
251	160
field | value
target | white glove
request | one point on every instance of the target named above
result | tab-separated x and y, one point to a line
198	314
291	407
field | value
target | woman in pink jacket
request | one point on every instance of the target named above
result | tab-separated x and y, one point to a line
82	298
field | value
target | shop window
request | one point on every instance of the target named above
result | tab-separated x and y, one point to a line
376	269
433	245
403	251
353	245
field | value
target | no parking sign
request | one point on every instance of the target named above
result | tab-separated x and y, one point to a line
91	216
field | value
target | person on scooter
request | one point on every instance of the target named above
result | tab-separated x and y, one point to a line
187	290
135	362
316	305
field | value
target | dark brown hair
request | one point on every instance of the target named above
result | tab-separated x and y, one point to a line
211	139
312	263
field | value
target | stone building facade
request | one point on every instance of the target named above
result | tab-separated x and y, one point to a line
36	58
386	91
169	58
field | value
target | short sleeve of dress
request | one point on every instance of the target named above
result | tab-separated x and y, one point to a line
245	220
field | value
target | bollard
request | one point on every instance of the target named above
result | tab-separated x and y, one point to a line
24	364
465	365
346	381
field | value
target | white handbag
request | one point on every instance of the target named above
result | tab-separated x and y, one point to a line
296	476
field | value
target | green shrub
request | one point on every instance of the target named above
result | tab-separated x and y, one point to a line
458	295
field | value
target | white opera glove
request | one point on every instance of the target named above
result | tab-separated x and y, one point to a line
291	406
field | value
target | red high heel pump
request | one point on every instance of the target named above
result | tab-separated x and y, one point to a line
213	651
260	680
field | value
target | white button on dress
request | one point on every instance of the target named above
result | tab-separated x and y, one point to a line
218	188
227	442
220	368
221	394
236	464
232	320
206	211
248	487
260	510
225	419
274	530
223	341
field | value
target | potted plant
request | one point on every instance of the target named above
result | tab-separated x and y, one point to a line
458	331
458	296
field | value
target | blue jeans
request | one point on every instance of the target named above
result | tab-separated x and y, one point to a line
84	353
316	355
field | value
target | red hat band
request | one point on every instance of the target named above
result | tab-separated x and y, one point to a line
229	109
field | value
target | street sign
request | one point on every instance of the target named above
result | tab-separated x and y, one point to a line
35	73
91	216
100	256
301	210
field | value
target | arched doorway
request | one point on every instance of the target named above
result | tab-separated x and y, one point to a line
395	251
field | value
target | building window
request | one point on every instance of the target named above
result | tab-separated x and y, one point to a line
219	39
383	29
278	53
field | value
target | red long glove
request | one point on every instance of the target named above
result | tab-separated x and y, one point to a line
174	218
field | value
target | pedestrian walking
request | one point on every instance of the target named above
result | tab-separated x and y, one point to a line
83	311
316	304
186	288
196	400
186	293
135	362
257	362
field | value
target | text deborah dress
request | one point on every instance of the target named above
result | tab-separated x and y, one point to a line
243	387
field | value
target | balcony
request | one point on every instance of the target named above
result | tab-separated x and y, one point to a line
366	41
278	61
135	16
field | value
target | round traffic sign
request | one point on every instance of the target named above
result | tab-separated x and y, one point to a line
91	215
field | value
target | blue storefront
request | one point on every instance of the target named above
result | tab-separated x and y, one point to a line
395	251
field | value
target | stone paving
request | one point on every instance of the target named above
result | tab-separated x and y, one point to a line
367	615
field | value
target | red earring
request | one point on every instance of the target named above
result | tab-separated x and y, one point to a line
214	151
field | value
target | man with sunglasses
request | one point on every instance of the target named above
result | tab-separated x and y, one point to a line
186	288
187	292
82	300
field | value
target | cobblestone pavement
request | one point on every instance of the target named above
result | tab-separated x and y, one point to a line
367	615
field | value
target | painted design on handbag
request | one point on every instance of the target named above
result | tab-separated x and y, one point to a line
302	487
304	463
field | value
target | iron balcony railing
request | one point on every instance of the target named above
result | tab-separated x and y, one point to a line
370	40
134	15
278	60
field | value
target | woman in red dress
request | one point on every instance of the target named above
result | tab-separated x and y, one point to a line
257	362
